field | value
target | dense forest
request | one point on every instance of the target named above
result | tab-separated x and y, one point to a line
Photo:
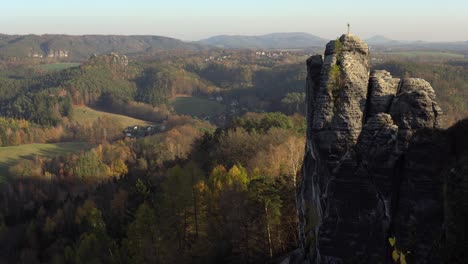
182	196
214	187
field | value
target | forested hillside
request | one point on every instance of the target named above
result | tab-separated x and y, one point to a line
229	198
67	47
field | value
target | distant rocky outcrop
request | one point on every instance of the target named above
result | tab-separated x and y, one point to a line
58	54
112	59
378	174
51	54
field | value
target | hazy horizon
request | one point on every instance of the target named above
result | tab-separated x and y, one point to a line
190	21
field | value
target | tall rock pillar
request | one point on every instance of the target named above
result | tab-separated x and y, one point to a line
357	183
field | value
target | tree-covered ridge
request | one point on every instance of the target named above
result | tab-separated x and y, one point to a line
159	82
46	99
81	47
46	107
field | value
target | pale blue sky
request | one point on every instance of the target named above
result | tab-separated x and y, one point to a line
431	20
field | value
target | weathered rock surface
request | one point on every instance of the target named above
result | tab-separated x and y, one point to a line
341	95
58	53
374	163
112	59
382	89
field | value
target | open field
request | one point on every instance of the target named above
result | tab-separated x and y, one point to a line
56	66
196	106
10	155
84	114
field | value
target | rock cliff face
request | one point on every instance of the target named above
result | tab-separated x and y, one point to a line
49	53
376	164
112	59
57	53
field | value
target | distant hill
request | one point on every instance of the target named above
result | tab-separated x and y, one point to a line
81	47
451	46
380	40
383	41
270	41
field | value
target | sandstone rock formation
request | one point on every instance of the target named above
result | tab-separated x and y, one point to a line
49	53
57	53
373	181
112	59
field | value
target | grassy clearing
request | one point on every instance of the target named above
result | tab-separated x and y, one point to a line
196	106
83	114
56	66
11	155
